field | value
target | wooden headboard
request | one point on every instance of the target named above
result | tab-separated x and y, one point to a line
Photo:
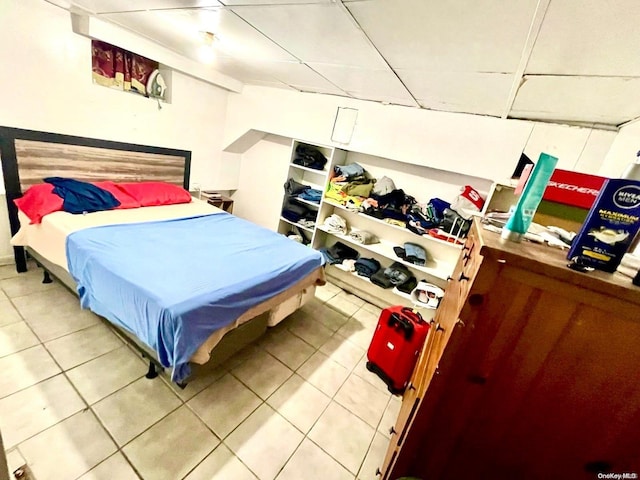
28	156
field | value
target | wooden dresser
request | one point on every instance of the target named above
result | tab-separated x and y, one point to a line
530	371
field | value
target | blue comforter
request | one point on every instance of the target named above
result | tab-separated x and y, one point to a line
173	283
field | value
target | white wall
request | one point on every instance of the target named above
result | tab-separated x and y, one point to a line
623	151
261	181
46	85
469	145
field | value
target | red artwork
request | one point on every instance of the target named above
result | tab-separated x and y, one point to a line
115	67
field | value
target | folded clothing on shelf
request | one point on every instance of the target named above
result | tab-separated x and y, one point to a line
307	223
363	237
307	156
419	223
295	237
334	192
380	279
396	199
348	265
412	253
383	186
339	252
365	267
311	195
397	273
293	211
397	223
348	171
336	224
415	254
294	188
360	188
408	286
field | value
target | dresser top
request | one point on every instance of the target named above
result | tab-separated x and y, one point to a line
552	262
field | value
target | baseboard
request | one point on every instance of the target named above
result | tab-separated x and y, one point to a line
7	260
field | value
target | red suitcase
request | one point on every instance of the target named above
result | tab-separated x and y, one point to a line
395	346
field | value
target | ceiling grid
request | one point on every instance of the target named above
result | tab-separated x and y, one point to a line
569	61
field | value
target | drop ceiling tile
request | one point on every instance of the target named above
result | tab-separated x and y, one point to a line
587	37
326	91
578	99
180	30
245	72
365	82
295	74
478	36
481	93
386	99
282	74
322	33
262	83
105	6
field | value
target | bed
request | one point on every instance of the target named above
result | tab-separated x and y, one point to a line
221	281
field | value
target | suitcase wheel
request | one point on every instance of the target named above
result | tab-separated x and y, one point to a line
372	367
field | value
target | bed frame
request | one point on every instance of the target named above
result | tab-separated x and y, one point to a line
29	156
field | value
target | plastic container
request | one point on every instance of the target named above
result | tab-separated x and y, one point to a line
522	214
611	225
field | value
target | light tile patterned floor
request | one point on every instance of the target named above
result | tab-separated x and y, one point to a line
297	404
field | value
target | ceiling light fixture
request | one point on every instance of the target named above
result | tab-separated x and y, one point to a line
208	38
206	53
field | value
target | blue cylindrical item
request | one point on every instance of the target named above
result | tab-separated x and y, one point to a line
522	214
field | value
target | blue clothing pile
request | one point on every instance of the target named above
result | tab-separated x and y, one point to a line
82	197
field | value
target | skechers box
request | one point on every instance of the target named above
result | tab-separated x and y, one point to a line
610	227
565	203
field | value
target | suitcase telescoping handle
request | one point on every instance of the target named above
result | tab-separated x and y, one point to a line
413	313
405	325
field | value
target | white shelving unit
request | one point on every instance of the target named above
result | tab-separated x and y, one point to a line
417	181
384	248
390	225
314	178
297	225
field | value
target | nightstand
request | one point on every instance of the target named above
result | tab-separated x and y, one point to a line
221	201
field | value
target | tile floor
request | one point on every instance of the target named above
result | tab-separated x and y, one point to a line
298	404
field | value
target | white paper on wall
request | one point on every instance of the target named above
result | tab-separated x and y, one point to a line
344	125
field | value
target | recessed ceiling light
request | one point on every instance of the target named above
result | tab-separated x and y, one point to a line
208	38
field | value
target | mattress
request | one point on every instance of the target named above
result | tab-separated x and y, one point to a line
49	237
50	240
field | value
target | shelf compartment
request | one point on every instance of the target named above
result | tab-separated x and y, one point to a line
307	169
429	238
385	249
387	296
306	229
306	202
